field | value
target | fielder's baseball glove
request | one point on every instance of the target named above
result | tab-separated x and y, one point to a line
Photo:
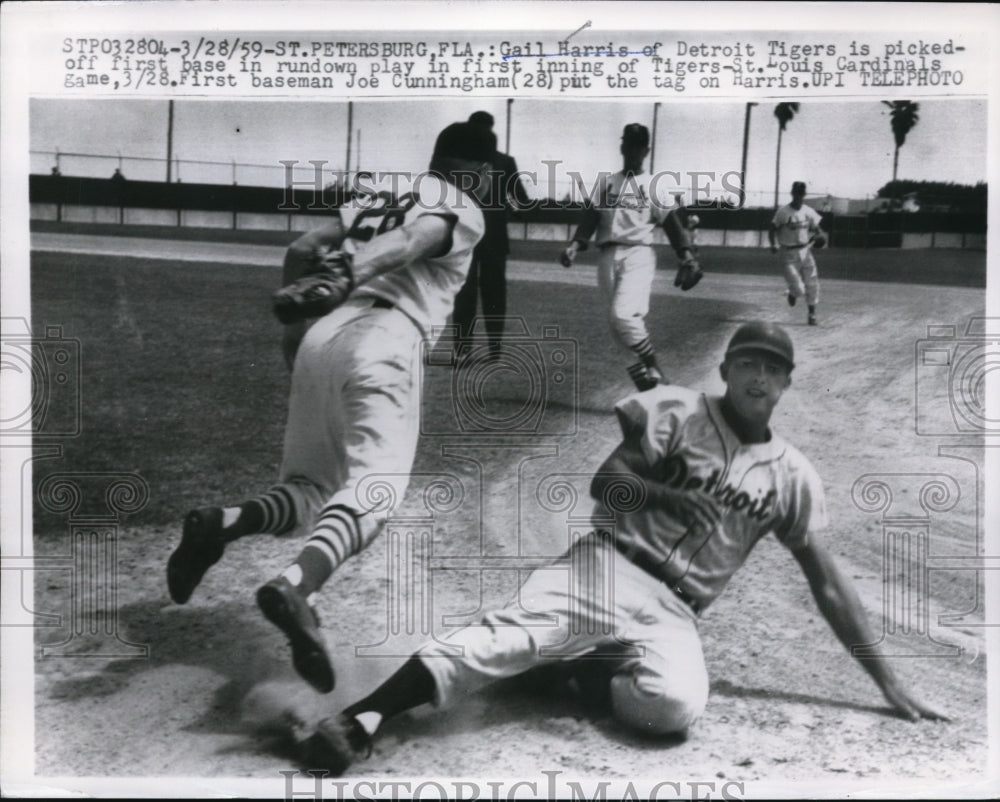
819	241
688	274
318	293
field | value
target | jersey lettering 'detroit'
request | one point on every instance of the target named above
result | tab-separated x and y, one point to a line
761	487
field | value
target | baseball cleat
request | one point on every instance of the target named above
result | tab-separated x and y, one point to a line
656	375
791	299
200	548
812	319
645	377
285	607
335	745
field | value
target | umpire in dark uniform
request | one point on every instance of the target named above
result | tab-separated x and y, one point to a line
488	272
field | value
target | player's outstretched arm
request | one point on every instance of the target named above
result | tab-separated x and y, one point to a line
839	603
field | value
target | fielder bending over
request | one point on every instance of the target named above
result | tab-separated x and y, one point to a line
397	261
711	479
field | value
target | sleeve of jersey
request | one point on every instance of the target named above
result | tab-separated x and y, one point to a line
459	208
806	509
653	419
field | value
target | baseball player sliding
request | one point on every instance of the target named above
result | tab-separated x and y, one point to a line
708	479
624	218
361	295
796	229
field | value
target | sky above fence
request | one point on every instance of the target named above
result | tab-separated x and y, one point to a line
843	149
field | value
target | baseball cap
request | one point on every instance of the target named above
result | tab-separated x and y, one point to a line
481	118
636	134
760	336
799	186
469	141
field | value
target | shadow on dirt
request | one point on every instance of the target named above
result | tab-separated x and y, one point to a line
723	687
228	639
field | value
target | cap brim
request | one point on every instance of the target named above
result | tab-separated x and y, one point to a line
765	347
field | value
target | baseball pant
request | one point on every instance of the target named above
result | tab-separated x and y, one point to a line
625	277
354	414
801	274
591	598
487	279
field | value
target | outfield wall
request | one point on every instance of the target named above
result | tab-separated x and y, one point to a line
65	199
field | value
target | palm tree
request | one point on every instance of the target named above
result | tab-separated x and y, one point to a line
784	112
902	118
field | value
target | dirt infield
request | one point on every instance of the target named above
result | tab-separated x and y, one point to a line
185	389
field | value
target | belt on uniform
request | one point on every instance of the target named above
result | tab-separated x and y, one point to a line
382	303
651	567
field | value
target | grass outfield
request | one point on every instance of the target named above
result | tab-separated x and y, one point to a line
182	379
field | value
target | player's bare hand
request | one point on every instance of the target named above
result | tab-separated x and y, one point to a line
910	708
568	255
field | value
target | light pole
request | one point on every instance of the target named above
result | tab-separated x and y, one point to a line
652	149
743	165
170	136
510	102
350	133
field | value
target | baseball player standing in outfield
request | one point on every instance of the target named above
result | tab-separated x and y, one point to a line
354	404
707	478
488	274
624	218
796	229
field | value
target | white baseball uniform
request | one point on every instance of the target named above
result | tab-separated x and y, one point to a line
794	229
355	397
630	207
640	583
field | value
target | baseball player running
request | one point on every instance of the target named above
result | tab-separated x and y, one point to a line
710	479
354	402
625	216
796	229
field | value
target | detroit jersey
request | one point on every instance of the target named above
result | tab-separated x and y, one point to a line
425	289
631	207
761	488
795	226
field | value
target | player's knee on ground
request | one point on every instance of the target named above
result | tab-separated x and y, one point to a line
656	706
